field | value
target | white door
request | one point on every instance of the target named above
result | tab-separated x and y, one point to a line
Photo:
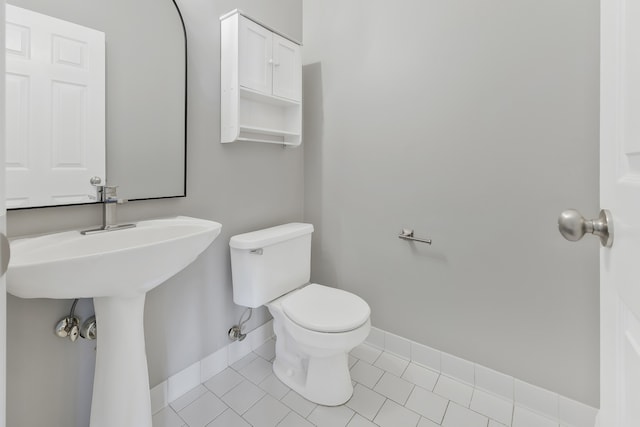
620	193
256	61
3	255
55	106
287	69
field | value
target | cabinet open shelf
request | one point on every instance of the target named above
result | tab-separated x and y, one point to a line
274	136
268	99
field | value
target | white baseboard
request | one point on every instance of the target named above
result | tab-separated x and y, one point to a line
201	371
550	405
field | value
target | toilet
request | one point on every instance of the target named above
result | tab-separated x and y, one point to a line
316	326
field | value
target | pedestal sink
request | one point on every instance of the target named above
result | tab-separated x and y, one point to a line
116	269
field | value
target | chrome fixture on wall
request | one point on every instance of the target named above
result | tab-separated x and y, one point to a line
69	326
235	333
572	225
89	329
407	234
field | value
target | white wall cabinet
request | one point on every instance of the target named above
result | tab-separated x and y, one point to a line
261	83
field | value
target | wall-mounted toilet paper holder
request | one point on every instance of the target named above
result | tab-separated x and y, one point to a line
407	234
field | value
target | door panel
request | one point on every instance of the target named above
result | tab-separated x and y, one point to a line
287	69
255	56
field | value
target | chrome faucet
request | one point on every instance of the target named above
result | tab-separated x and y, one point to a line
107	195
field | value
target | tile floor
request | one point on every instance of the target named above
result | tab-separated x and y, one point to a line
388	392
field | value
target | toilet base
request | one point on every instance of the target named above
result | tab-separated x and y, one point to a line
327	380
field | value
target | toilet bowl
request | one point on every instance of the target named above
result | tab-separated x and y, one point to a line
316	326
314	339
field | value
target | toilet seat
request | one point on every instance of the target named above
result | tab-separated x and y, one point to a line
323	309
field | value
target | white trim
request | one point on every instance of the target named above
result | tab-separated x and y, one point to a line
551	405
191	377
548	404
257	21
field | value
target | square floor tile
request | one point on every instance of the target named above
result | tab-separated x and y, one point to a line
391	363
393	415
394	388
243	397
427	404
229	419
365	402
244	361
425	422
423	377
458	416
493	423
366	352
268	412
454	390
257	370
167	418
492	406
294	420
360	421
203	410
188	397
525	418
267	350
224	381
298	403
366	374
331	416
274	387
352	361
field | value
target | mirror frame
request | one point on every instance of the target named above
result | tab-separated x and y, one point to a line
186	96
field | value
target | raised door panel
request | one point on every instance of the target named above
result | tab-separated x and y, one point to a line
55	109
287	69
255	57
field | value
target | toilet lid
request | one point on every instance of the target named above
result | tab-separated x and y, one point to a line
324	309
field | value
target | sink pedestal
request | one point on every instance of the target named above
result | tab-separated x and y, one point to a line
121	383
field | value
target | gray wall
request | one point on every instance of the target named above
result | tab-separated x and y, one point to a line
476	124
243	186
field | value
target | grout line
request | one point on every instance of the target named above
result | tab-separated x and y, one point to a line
513	411
178	414
280	422
379	409
445	411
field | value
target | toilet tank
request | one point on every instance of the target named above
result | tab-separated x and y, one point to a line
266	264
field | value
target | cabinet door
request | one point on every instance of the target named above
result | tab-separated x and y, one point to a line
287	69
255	60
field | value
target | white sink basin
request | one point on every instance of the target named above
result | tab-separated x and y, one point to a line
116	269
115	263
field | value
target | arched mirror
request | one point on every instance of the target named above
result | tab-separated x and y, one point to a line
81	73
